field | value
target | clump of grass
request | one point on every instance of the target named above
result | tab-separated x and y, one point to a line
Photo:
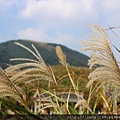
9	89
21	82
106	75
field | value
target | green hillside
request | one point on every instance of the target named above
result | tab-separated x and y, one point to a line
47	50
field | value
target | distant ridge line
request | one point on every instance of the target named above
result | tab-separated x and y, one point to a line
9	50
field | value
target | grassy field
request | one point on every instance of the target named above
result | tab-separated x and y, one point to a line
78	74
32	86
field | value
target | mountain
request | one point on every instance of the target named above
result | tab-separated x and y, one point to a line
47	50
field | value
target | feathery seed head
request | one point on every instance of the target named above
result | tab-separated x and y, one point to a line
61	55
101	57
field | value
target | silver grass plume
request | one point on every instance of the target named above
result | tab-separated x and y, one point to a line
8	89
30	70
61	55
82	104
107	69
102	57
62	60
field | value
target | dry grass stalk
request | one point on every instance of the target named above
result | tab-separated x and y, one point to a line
8	89
30	70
62	60
102	58
27	74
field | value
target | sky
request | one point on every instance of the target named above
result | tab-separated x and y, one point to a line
58	21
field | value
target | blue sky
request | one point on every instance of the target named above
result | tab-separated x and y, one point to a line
57	21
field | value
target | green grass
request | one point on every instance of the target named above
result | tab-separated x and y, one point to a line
79	75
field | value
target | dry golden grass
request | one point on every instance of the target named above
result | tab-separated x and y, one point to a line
107	72
24	80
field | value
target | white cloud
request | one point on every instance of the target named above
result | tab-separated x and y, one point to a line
58	10
66	11
70	12
37	35
33	34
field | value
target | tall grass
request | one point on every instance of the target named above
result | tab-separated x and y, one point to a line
22	83
106	76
